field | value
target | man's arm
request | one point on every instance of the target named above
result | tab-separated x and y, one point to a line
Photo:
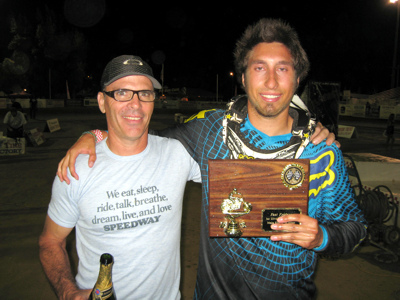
86	144
335	239
341	226
344	237
54	258
6	117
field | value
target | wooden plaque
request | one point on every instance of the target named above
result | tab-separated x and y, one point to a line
247	196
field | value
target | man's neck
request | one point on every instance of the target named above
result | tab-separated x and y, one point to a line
126	147
272	126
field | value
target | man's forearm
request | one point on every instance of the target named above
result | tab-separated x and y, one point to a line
57	268
344	237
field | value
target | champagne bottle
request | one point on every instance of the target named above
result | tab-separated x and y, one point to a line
103	289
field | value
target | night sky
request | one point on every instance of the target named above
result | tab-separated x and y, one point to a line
350	42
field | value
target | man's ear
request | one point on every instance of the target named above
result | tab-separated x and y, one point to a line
101	101
243	81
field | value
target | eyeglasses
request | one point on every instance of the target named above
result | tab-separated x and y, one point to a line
124	95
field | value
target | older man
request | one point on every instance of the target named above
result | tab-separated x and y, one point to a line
125	205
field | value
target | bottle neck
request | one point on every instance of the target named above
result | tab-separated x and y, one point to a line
104	281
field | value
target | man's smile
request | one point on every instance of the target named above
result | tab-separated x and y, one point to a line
270	97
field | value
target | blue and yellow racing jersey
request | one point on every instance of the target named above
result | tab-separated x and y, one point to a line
258	268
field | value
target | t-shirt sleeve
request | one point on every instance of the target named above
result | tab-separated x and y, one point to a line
63	208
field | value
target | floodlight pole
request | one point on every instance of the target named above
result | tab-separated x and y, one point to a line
396	39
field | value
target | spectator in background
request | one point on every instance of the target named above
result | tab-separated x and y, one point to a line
15	121
33	107
390	132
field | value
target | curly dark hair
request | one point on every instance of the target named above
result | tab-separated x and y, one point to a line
269	31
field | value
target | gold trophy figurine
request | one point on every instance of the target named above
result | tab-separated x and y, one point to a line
234	207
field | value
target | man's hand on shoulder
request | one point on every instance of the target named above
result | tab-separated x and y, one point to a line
321	133
86	144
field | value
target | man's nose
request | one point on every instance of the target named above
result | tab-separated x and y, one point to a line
271	80
135	102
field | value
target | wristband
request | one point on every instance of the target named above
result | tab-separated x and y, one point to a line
324	240
98	134
91	133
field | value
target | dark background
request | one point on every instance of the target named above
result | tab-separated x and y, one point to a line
350	42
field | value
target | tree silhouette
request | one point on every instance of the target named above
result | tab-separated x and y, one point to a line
45	54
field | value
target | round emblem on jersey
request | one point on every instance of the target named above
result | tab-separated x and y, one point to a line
293	176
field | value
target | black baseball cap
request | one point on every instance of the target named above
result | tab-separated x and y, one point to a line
126	65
